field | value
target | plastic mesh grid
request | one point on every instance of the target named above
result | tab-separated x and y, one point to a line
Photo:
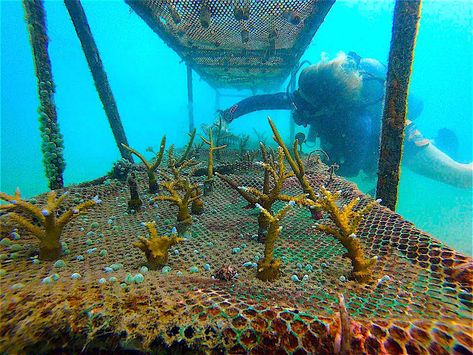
425	306
255	52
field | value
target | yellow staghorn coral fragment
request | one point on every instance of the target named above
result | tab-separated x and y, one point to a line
346	222
297	167
188	149
181	191
275	171
51	225
268	267
181	201
15	197
150	167
210	166
156	248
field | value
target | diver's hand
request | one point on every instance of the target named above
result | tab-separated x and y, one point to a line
222	121
224	125
228	115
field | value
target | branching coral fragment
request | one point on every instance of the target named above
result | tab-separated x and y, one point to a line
181	191
181	201
210	166
343	333
346	222
268	267
197	206
150	167
49	232
134	203
188	149
156	248
242	146
275	171
297	167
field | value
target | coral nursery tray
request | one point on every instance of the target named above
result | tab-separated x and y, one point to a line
100	298
241	44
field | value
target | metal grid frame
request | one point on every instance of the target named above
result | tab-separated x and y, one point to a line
218	52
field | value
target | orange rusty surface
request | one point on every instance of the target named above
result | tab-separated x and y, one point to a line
423	307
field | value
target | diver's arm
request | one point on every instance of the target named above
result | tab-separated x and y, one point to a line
278	101
431	162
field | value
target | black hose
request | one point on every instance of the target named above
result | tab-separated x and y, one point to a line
295	74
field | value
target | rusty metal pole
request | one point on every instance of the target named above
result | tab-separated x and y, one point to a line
190	98
401	55
79	19
51	138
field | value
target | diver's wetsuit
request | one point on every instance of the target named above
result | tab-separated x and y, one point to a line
350	137
278	101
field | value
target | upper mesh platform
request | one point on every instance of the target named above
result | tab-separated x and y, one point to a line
247	44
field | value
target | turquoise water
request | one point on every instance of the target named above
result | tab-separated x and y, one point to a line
149	85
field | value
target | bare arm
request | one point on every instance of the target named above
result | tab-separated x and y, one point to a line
431	162
424	158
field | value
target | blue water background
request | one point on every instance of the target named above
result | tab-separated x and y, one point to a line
149	84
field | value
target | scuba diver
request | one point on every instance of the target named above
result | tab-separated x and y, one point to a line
341	100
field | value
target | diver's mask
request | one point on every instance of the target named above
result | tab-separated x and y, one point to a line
307	112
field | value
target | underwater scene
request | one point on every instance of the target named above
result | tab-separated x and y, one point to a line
236	177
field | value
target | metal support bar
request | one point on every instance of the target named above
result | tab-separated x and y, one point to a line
217	100
102	85
190	99
292	124
401	55
51	138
